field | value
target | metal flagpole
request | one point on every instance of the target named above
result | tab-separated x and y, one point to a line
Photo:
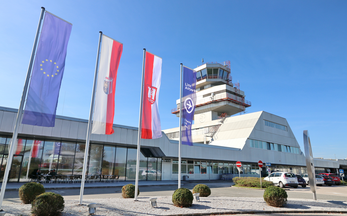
180	122
139	129
89	128
20	112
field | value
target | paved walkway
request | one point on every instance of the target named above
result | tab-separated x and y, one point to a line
219	203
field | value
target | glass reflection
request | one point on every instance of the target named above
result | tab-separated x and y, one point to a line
95	159
79	158
121	161
108	160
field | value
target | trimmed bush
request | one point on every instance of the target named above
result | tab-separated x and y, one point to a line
48	204
182	197
204	190
275	196
251	182
128	191
29	191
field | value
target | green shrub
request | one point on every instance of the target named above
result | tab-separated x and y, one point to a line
128	191
48	204
182	197
204	190
251	182
343	182
275	196
29	191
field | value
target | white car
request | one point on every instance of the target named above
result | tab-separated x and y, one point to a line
283	179
319	179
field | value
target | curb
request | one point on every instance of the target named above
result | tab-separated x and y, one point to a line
263	212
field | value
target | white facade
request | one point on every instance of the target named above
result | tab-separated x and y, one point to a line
232	142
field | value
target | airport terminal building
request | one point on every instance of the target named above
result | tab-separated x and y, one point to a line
221	135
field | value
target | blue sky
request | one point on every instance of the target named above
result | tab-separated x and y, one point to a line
290	57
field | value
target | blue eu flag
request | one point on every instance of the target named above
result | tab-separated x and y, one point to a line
48	70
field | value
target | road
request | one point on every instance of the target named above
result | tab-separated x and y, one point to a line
335	193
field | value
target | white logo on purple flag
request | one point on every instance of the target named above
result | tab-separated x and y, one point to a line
189	105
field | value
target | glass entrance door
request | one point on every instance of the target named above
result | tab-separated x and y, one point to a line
15	168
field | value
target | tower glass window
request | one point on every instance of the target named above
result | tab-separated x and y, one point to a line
209	73
203	74
220	74
198	75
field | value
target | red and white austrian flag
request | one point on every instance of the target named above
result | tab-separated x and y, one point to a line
150	127
104	103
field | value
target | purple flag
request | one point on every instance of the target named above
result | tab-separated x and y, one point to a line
188	106
42	100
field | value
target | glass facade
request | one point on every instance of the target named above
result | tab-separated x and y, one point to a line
66	158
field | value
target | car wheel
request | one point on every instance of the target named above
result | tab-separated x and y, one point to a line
303	186
281	185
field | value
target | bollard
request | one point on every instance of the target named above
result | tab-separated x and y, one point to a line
196	197
153	202
92	208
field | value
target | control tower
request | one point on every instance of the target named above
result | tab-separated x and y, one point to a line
216	98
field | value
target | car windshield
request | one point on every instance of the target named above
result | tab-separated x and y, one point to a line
333	175
318	176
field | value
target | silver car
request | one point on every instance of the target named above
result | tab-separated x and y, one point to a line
283	179
319	179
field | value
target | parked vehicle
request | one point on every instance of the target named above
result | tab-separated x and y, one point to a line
327	180
334	177
283	179
319	179
301	181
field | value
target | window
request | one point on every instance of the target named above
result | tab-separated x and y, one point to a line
215	168
279	147
215	73
95	159
268	146
203	168
184	167
220	74
225	75
277	174
198	75
275	147
220	168
196	168
252	143
209	73
190	167
275	125
203	74
79	157
175	167
152	169
108	160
